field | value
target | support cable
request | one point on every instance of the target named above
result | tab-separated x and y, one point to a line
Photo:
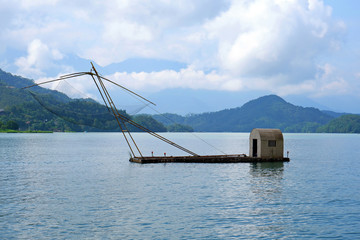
109	103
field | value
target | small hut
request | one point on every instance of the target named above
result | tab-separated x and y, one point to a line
266	143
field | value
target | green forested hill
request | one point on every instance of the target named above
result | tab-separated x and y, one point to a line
345	124
12	94
13	80
265	112
44	109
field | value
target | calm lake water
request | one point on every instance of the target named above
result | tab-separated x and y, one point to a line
81	185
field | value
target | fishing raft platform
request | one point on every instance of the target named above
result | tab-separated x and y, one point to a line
241	158
266	145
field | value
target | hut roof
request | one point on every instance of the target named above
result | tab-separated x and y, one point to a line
267	133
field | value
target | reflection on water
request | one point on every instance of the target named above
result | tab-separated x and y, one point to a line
266	186
267	169
266	180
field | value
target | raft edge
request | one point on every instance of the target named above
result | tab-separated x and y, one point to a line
205	159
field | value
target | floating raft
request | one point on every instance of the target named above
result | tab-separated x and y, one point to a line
206	159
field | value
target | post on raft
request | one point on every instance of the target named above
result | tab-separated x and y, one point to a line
109	102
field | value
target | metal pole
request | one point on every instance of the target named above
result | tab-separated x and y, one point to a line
116	113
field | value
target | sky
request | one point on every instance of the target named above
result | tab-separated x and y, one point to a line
209	55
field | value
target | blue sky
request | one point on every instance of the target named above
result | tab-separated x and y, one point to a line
216	54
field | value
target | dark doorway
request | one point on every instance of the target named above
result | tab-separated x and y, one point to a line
254	153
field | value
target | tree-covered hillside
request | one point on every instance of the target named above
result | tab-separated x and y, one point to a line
38	108
344	124
11	96
265	112
16	83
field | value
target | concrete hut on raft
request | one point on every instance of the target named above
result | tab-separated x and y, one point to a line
266	143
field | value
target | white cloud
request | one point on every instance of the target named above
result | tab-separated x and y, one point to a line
265	38
329	82
336	87
254	44
185	78
40	56
37	3
156	29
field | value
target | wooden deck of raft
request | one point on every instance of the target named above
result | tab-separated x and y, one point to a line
206	159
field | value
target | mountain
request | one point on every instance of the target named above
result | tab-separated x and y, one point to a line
265	112
44	109
184	101
17	82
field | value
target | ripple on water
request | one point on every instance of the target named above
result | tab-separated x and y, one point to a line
82	185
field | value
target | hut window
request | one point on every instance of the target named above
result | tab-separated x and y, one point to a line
272	143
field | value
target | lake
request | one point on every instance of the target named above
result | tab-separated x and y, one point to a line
81	185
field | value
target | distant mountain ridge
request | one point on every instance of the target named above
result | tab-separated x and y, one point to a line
265	112
269	111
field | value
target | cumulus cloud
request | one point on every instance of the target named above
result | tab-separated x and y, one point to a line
40	56
156	29
329	82
258	44
228	45
265	38
185	78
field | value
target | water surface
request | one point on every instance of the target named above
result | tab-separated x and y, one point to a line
81	185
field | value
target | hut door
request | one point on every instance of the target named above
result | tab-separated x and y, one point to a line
254	153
